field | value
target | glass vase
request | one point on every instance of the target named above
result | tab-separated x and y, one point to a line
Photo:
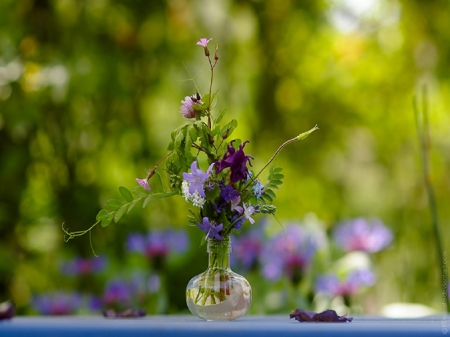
218	294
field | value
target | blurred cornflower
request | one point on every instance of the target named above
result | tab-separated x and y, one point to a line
79	266
361	234
289	254
58	303
158	244
247	248
345	285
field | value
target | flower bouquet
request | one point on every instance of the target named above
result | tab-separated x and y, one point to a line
212	173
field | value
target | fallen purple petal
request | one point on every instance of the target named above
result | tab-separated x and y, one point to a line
325	316
124	314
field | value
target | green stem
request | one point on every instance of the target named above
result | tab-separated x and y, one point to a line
282	146
424	140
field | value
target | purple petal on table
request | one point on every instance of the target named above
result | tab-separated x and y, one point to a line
325	316
6	310
128	313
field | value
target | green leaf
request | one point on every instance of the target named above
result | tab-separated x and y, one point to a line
107	220
146	201
157	182
113	204
269	192
276	182
126	194
192	131
132	204
140	192
266	197
228	129
101	214
120	212
219	117
277	176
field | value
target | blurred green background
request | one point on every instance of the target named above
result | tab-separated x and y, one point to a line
90	91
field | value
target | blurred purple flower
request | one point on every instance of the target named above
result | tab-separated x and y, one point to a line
117	292
236	161
363	235
158	244
247	248
80	266
352	283
58	303
288	254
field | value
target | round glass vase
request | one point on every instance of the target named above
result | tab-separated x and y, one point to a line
218	294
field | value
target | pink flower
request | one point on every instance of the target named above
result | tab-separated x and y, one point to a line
187	106
143	183
203	42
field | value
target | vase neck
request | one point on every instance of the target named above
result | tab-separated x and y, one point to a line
219	253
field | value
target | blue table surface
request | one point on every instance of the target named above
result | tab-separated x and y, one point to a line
186	325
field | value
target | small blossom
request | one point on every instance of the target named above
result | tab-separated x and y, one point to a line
248	212
203	42
364	235
258	189
211	230
143	183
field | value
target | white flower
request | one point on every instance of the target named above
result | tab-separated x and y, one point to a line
196	199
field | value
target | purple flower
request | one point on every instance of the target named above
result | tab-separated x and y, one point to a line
352	283
197	178
143	183
289	253
236	161
187	106
228	193
158	244
80	266
212	231
203	42
58	303
363	235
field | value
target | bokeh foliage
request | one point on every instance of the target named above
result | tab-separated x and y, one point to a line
90	91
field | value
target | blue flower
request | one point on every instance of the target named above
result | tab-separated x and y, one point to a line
258	189
212	231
